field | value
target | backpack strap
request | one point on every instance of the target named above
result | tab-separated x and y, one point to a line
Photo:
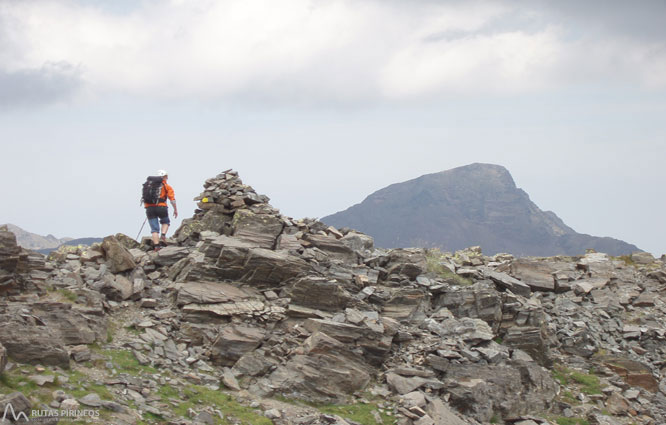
166	193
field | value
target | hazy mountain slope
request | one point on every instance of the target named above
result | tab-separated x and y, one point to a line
33	241
478	204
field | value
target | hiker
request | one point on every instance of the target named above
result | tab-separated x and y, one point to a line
157	211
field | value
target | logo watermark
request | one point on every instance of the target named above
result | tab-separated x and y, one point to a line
44	414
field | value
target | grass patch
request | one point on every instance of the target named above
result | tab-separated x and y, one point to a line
82	385
434	258
196	397
561	420
359	412
626	259
18	380
586	383
125	362
68	295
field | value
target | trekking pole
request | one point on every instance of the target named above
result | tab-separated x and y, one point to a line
144	223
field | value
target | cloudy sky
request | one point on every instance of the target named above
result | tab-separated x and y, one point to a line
318	103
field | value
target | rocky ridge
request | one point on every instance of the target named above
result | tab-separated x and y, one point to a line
248	312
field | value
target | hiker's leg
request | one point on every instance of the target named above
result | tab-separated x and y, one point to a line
154	230
165	227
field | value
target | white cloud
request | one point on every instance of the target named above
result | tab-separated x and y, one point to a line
338	50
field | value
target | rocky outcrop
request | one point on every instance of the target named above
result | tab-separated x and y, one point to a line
248	301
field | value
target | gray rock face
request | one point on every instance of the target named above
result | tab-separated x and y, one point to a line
210	293
320	293
332	246
234	341
116	288
478	301
118	257
13	261
509	390
260	230
327	370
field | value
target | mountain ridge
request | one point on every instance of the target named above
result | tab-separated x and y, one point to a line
476	204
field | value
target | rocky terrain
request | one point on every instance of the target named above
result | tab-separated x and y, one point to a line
478	204
253	317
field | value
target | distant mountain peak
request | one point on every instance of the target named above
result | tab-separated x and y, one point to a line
476	204
34	241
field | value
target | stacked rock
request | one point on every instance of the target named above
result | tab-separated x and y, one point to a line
228	207
226	193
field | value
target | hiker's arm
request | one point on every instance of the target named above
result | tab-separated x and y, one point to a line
175	208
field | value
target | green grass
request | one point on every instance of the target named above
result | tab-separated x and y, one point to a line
561	420
125	362
196	397
434	258
82	385
360	412
586	383
68	295
18	380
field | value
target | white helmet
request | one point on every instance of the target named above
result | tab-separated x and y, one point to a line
162	173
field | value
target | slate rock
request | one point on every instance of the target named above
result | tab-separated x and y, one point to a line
210	293
327	370
319	293
509	390
260	230
117	256
234	341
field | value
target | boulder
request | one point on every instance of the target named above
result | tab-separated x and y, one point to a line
505	390
333	247
642	258
633	372
532	341
260	230
472	331
480	301
116	288
319	293
505	281
405	305
538	273
358	241
28	342
234	341
169	255
441	414
374	345
403	385
326	370
210	293
118	257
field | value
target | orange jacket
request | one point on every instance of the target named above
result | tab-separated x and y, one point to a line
166	193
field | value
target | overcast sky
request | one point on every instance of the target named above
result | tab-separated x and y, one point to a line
318	103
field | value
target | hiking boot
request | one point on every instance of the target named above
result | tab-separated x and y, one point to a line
157	248
163	238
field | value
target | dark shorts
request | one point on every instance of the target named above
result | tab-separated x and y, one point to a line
157	216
